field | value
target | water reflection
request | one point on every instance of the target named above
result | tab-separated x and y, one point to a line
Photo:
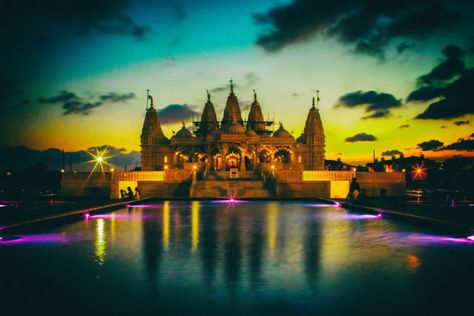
256	251
166	224
246	258
195	224
209	248
232	252
152	251
100	242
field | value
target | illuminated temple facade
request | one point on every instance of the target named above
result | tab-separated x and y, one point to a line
233	142
234	158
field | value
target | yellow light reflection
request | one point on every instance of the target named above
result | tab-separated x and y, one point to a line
100	243
166	224
272	229
112	228
195	225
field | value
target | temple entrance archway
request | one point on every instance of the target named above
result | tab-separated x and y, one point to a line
283	155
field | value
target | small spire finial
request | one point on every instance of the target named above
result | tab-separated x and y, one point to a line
208	95
231	86
149	97
313	102
254	95
184	124
317	99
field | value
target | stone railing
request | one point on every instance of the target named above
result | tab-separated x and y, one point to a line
378	177
324	175
139	176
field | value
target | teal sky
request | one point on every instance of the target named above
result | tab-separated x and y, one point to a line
190	46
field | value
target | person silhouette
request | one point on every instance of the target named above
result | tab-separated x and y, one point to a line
122	194
138	193
130	193
354	190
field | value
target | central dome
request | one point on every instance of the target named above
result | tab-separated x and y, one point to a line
233	127
282	132
184	132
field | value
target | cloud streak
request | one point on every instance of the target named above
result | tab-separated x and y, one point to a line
71	103
376	104
361	137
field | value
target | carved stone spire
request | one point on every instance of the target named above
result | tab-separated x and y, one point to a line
208	123
255	119
314	139
152	132
232	107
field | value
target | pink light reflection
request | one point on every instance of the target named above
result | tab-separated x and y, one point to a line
144	205
39	239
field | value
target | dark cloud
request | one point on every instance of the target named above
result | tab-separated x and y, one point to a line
20	158
369	26
472	135
180	11
376	104
361	137
392	152
459	123
447	70
461	145
7	88
82	16
63	96
433	144
447	85
117	97
378	114
404	126
175	113
73	104
79	107
404	46
33	33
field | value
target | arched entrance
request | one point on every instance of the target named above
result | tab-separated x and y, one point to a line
283	155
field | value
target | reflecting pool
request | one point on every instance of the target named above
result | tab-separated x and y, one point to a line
252	258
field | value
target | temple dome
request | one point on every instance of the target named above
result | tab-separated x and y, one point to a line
233	127
184	132
282	132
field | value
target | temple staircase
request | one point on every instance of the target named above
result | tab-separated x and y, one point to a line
217	184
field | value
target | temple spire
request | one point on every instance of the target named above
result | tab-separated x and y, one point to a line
313	102
231	86
254	95
149	98
208	95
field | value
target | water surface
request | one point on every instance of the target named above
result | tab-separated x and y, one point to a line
252	258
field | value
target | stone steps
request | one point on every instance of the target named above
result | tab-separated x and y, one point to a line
235	188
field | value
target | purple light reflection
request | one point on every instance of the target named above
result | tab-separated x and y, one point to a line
345	216
39	239
228	201
426	239
144	206
361	216
337	204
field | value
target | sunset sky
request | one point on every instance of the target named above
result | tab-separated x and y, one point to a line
394	76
